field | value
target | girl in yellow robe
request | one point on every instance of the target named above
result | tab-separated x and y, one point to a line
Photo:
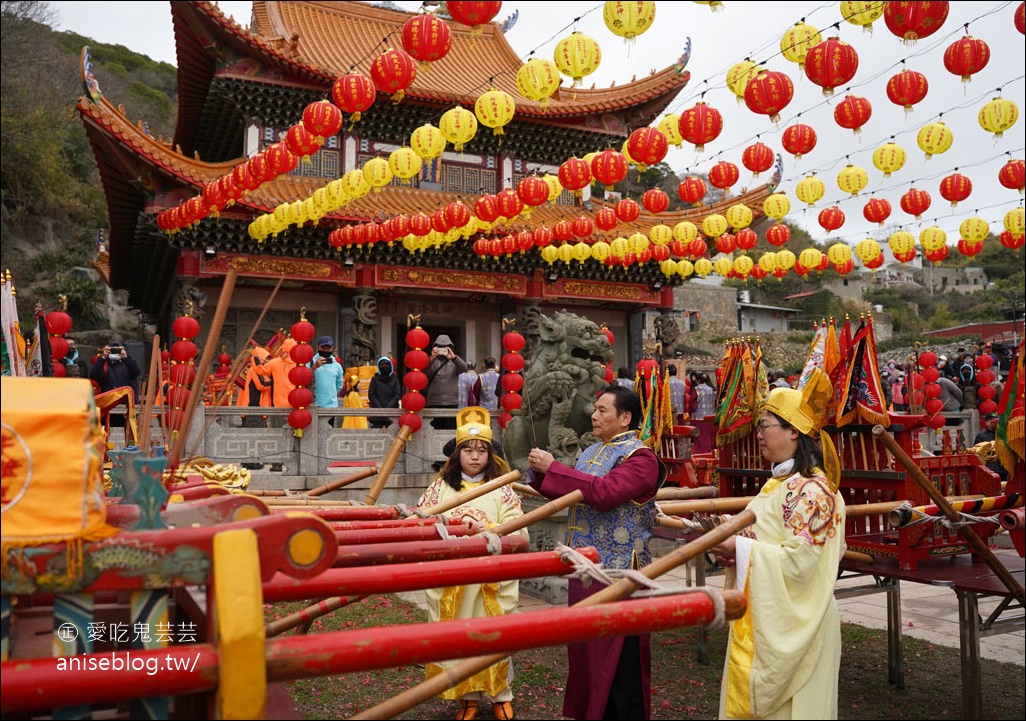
470	465
784	654
352	400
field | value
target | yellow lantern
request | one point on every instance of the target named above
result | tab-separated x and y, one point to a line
555	187
660	234
566	252
311	210
495	109
411	243
863	14
932	238
811	258
784	260
685	231
722	266
685	268
628	19
538	79
889	158
428	142
776	206
458	126
739	216
852	179
297	213
378	173
714	225
901	243
582	251
1014	222
743	265
768	261
867	250
934	138
319	199
589	157
839	253
703	267
974	229
739	75
404	164
623	151
577	56
810	189
637	243
550	254
998	115
600	251
668	266
795	43
618	248
355	184
670	127
336	195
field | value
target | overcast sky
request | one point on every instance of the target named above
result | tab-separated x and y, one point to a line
720	39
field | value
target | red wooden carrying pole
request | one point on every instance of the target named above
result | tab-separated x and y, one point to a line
402	533
345	513
35	684
417	576
384	523
382	553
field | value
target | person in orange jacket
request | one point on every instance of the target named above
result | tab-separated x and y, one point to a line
256	390
276	370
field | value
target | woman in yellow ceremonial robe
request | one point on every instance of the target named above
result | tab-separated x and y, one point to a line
352	400
471	464
784	654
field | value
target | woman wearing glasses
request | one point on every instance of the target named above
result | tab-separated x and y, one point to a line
784	654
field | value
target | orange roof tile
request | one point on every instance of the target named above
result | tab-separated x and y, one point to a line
328	39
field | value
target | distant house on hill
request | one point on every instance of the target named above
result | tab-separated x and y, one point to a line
757	318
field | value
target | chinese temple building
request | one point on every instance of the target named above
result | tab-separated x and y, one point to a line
241	90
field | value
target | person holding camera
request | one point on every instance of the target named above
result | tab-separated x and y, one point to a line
114	368
443	372
328	375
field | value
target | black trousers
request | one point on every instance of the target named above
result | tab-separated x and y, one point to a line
626	696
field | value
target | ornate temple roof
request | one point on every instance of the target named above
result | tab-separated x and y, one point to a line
298	49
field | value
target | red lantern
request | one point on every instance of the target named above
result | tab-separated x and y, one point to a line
746	239
1012	242
831	63
58	349
186	327
655	200
439	221
214	197
913	21
427	38
533	190
353	93
700	124
877	210
58	322
966	56
260	170
968	249
692	189
301	142
875	262
606	219
609	167
852	113
726	244
513	363
473	14
955	188
414	380
768	93
510	204
322	119
832	218
574	174
542	237
280	159
1019	19
778	235
907	88
647	146
937	255
392	72
698	248
915	202
584	226
758	158
1013	175
486	208
563	230
244	178
723	175
798	139
627	210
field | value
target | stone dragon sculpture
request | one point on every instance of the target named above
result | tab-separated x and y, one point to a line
561	384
